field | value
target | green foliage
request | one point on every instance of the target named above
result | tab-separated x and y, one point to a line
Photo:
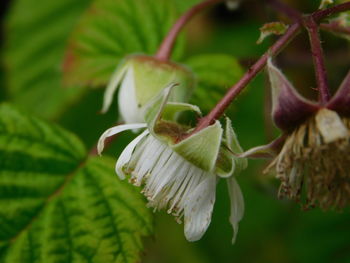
272	28
36	45
58	204
215	74
34	49
111	29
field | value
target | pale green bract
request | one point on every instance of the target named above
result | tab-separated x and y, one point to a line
179	171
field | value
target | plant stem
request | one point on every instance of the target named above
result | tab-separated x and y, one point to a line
318	58
231	94
249	75
321	14
166	47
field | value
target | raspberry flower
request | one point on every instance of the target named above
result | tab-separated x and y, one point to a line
313	154
177	170
140	78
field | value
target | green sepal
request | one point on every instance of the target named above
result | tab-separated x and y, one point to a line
161	116
172	110
155	107
201	148
227	163
152	76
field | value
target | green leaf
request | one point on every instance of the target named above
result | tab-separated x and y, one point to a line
33	53
272	28
183	6
173	109
111	29
215	74
57	204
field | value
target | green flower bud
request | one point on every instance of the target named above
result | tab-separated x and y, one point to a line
140	78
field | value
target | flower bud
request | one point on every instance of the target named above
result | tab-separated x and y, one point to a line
140	78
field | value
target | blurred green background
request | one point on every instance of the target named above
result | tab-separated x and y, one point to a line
35	38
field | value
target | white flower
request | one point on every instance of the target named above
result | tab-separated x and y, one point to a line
140	79
181	177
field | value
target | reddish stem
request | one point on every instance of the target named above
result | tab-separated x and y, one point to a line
321	14
166	47
249	75
293	30
318	58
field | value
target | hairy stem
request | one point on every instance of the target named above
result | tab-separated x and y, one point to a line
321	14
167	45
293	30
318	58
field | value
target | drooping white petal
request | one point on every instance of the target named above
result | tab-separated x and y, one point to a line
175	194
147	159
117	129
127	100
127	153
112	87
199	208
237	204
